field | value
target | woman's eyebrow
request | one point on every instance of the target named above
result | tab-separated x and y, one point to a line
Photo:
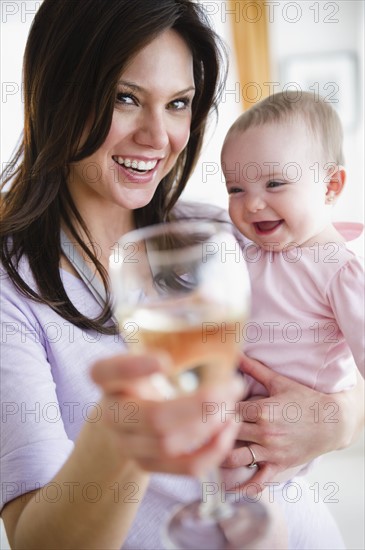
138	88
130	85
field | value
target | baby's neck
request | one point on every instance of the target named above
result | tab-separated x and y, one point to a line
328	235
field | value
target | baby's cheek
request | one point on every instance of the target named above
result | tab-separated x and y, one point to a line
233	477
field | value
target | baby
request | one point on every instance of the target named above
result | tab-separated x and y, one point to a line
283	165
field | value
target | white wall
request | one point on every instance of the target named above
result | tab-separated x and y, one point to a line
330	35
16	17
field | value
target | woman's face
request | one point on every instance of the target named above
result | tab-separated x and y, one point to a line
150	127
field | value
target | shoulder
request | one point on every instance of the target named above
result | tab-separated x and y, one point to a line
200	211
353	234
8	286
205	211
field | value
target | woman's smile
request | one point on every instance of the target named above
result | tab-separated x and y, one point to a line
136	170
150	128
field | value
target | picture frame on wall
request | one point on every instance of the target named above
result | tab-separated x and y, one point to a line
333	76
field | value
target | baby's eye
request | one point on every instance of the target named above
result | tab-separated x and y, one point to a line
180	104
274	183
126	99
234	190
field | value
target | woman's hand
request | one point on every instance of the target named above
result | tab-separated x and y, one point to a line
174	436
293	425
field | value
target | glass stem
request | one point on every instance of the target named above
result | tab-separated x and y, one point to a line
213	502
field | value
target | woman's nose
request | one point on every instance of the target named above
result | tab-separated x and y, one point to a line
152	131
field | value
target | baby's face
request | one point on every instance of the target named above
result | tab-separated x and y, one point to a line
276	181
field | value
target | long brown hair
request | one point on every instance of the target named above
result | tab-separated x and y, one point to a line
75	53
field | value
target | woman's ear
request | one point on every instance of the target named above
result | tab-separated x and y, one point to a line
335	183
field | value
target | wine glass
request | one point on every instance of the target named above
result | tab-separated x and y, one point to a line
183	288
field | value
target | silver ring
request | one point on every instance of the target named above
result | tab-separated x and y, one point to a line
253	463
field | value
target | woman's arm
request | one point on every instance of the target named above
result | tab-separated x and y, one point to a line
294	424
86	505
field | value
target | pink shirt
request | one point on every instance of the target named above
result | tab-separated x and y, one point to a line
307	318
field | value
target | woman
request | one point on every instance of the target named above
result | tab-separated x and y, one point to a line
117	95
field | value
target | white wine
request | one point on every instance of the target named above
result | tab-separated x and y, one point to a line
209	348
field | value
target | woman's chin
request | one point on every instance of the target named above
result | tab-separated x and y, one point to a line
133	199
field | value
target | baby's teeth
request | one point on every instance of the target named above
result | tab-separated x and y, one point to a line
142	165
134	164
127	163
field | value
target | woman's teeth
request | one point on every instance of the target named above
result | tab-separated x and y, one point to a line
140	165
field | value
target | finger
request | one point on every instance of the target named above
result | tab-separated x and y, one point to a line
234	477
154	447
261	373
254	410
195	463
273	381
150	448
262	478
249	432
208	405
184	430
241	455
113	373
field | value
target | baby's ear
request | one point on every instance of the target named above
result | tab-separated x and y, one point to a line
336	178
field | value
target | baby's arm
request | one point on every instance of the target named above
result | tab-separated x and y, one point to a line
347	300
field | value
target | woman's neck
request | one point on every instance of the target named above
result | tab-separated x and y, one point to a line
105	221
106	224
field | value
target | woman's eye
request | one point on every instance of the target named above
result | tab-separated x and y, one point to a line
272	184
125	99
180	104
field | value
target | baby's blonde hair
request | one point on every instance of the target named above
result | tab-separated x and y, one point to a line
318	114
